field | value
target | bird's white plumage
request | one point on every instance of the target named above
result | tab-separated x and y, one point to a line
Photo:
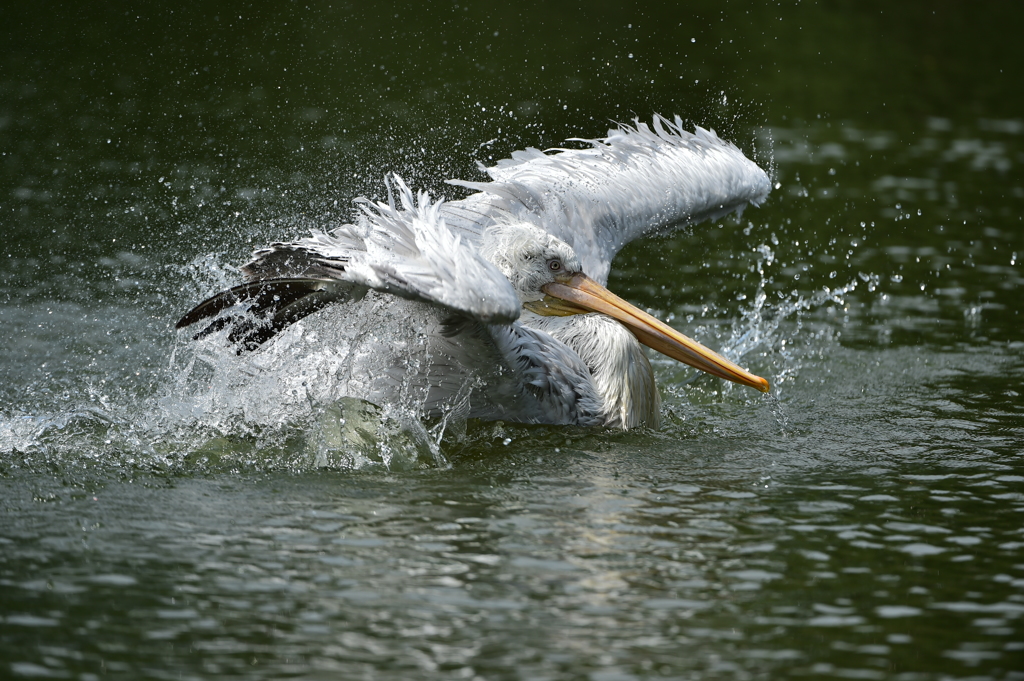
408	251
465	268
636	181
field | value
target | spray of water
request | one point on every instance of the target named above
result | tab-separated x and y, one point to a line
303	401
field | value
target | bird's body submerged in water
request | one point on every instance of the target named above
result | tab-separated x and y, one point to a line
508	323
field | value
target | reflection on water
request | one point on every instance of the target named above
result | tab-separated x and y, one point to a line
555	563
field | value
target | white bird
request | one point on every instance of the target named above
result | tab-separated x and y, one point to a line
510	325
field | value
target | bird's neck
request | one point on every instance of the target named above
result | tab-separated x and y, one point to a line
619	367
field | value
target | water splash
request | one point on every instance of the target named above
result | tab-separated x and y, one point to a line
303	401
299	403
777	331
781	417
315	378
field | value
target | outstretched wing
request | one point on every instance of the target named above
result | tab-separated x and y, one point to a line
407	252
635	181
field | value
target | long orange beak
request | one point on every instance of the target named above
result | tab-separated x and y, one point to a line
580	294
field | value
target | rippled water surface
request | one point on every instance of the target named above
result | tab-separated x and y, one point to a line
864	521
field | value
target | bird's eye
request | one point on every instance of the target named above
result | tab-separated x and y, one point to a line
554	265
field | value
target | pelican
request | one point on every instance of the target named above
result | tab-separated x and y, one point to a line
506	287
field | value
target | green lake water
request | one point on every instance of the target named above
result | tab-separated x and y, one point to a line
866	521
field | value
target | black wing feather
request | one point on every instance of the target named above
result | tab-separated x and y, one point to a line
266	307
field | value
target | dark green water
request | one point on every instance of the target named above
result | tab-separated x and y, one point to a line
866	523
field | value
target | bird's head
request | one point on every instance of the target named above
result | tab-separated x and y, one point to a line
546	273
529	257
